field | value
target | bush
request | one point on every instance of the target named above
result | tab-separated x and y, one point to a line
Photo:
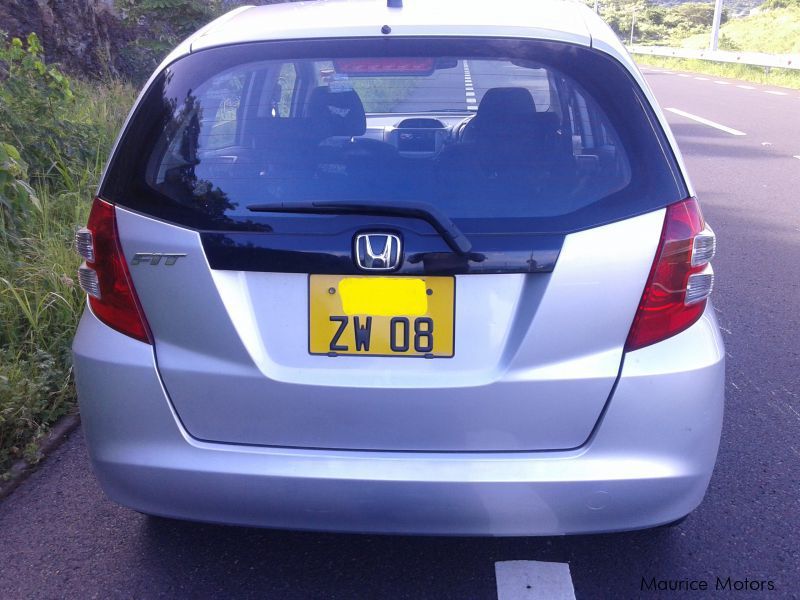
55	133
38	111
776	4
15	192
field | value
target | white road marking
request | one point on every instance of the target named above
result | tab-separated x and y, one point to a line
797	156
746	87
701	78
775	93
533	580
707	122
683	75
722	82
469	91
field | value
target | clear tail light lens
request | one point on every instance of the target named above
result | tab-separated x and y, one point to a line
105	277
680	280
84	244
704	247
87	278
699	285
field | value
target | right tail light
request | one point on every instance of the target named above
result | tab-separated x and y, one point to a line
680	280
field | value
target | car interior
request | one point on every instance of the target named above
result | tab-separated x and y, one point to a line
260	136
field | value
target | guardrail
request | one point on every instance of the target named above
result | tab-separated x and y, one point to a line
757	59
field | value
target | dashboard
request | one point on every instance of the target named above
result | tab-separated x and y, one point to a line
413	137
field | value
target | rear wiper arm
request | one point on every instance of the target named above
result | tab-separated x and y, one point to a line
417	210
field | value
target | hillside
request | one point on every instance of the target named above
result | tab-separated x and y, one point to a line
775	31
97	38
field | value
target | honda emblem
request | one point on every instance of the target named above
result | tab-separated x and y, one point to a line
377	251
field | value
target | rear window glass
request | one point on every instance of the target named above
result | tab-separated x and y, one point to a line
501	135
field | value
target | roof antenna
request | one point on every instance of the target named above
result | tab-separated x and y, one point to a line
394	3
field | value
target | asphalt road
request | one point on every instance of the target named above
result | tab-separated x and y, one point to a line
59	537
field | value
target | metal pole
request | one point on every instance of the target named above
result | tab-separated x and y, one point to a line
633	23
597	6
715	27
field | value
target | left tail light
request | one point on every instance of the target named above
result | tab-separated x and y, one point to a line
104	275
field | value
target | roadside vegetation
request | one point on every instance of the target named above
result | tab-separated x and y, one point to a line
772	27
779	77
55	133
656	24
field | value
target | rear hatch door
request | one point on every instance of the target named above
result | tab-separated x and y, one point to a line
543	156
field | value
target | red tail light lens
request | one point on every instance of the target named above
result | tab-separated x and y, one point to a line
108	282
678	287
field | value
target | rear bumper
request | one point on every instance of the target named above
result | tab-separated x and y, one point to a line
648	461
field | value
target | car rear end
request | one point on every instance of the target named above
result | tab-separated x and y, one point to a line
446	284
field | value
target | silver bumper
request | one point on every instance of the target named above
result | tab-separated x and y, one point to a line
648	461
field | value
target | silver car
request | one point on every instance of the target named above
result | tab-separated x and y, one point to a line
434	268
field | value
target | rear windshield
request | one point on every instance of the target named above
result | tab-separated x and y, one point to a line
501	135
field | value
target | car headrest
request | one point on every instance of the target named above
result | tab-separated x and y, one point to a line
503	111
337	113
506	104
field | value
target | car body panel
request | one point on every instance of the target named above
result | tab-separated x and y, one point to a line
648	462
332	19
520	378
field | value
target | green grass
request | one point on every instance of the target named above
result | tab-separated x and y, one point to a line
40	301
774	31
779	77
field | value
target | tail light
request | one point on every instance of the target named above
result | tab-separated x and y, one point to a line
104	274
680	280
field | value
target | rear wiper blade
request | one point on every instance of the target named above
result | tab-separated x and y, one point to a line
417	210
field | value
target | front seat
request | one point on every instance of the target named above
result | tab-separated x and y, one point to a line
496	155
503	133
353	166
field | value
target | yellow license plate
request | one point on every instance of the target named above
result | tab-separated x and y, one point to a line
381	316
